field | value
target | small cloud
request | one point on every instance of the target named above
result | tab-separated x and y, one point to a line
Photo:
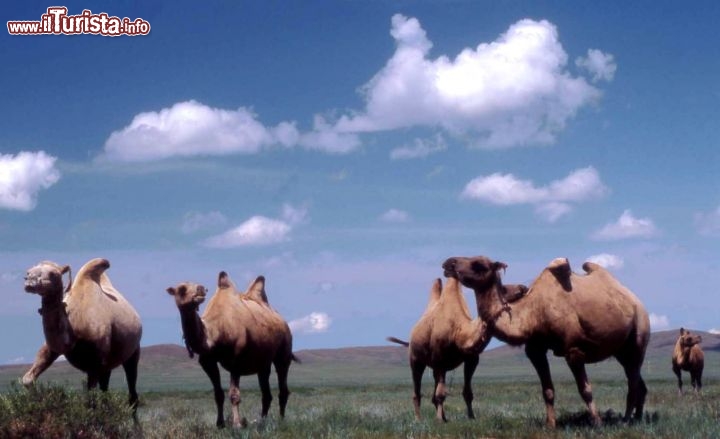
395	216
708	223
258	230
600	65
11	276
437	170
325	287
313	323
339	175
551	201
608	261
17	360
658	322
627	226
327	139
714	331
294	215
420	148
195	221
22	176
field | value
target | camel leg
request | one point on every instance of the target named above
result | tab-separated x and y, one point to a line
235	400
696	377
131	368
470	366
104	379
678	373
637	391
440	394
264	381
538	358
283	393
418	369
213	372
585	390
43	359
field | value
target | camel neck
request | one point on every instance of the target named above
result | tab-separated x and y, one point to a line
56	325
193	331
503	319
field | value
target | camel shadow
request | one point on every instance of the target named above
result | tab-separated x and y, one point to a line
610	418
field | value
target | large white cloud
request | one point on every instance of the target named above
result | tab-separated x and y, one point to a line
22	176
513	91
551	201
312	323
627	226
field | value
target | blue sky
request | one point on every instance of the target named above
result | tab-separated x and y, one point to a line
344	149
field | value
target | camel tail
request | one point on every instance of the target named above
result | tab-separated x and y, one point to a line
295	358
398	341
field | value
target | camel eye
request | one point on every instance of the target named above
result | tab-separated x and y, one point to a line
479	267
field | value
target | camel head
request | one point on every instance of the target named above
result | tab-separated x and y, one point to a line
479	273
45	279
188	294
687	339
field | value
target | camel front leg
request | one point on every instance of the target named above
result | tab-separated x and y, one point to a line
417	369
678	373
210	367
440	395
469	369
235	400
585	390
696	377
538	358
43	359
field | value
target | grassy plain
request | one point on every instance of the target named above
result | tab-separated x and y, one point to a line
365	393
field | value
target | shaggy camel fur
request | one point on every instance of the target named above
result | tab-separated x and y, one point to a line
688	356
445	337
93	325
242	333
585	319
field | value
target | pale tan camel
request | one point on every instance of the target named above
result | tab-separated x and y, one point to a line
242	333
584	319
445	337
688	356
93	325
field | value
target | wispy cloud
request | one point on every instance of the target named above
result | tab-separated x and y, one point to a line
659	322
627	226
608	261
196	221
600	65
551	202
312	323
513	91
22	176
420	148
708	223
260	230
395	216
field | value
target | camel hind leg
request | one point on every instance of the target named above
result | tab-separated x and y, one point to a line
538	358
469	369
696	378
282	369
417	369
264	382
637	390
131	373
440	395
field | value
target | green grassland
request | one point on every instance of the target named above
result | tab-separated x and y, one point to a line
365	392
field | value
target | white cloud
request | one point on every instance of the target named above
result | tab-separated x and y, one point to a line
420	148
195	221
714	331
708	223
325	138
22	176
260	230
513	91
395	216
600	65
658	322
551	201
608	261
315	322
627	226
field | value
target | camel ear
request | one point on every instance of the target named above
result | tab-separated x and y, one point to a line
64	269
171	291
256	289
224	280
497	266
682	331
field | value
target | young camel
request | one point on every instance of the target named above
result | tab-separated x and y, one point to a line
688	356
585	319
242	333
445	337
93	325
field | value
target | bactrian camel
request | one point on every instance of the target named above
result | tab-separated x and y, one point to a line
584	319
242	333
688	356
92	325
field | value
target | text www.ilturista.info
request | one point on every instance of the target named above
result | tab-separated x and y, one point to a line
57	22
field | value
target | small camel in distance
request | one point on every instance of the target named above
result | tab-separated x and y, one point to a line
242	333
445	337
688	356
93	325
584	319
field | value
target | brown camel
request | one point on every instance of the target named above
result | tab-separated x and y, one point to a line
688	356
585	319
93	325
445	337
242	333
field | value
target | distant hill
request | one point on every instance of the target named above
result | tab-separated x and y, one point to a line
168	366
